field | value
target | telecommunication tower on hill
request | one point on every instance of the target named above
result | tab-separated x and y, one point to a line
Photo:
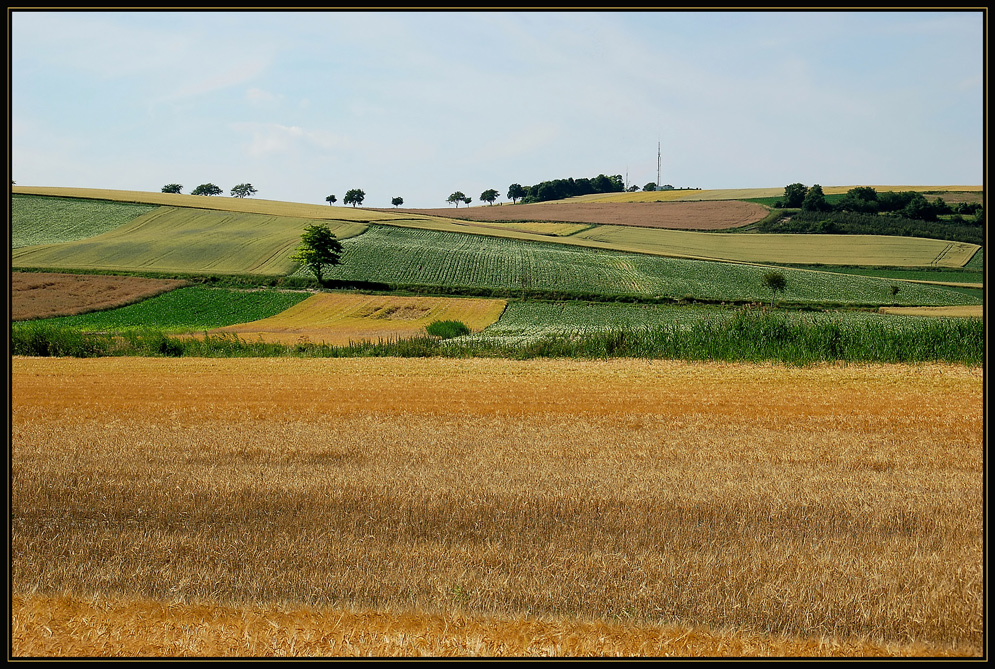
658	165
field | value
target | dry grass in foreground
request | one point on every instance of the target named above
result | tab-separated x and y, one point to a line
781	508
67	626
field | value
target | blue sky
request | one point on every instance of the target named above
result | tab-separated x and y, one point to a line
420	104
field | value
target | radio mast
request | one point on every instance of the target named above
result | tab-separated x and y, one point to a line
658	165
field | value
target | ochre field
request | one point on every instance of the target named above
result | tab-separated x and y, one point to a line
340	318
359	506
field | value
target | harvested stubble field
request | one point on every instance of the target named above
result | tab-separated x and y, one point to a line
47	294
721	215
492	507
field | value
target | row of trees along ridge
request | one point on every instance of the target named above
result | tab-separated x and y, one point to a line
241	190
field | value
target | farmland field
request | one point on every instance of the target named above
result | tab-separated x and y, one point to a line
431	258
530	319
47	295
228	204
343	317
185	310
632	507
675	216
170	239
50	220
750	193
628	455
345	221
787	248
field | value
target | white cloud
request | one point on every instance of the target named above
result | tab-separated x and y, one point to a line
274	138
257	96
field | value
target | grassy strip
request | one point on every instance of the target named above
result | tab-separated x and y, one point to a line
750	335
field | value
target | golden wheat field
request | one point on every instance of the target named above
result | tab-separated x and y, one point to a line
486	507
341	318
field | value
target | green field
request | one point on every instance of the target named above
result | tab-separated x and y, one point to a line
185	240
184	310
52	220
454	262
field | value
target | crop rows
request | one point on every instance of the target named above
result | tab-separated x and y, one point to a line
174	239
195	308
52	220
405	257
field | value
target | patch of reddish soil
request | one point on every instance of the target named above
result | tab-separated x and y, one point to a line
46	295
718	215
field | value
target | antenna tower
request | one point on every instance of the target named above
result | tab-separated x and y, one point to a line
658	165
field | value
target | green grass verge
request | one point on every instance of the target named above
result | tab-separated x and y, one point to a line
747	335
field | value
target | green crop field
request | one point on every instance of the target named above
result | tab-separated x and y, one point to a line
531	320
51	220
191	309
453	261
173	239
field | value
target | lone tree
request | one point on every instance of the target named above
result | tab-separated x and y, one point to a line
206	189
456	198
243	190
172	188
489	196
516	192
318	248
330	200
397	201
354	197
775	281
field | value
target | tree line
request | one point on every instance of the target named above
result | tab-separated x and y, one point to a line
862	210
558	189
241	190
866	200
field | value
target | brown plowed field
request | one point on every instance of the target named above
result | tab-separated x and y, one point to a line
47	295
670	215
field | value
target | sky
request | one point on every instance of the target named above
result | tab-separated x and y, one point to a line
421	104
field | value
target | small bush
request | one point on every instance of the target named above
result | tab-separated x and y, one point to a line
447	329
